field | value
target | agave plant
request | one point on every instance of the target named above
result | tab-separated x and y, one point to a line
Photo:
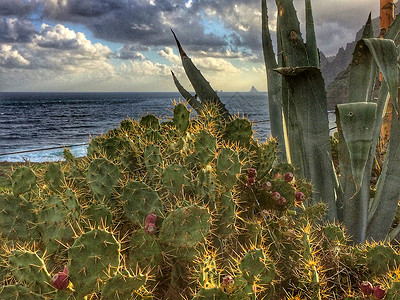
299	120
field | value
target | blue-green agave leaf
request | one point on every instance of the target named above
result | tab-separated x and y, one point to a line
357	121
311	42
197	106
201	86
384	52
274	84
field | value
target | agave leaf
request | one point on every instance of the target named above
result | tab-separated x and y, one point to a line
384	206
274	84
185	94
294	50
394	29
201	86
308	99
363	70
357	122
384	52
311	42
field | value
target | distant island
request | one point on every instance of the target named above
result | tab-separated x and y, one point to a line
253	90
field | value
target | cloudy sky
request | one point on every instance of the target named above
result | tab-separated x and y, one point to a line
126	45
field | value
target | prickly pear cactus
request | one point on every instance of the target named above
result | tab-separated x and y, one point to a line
239	131
27	267
122	286
23	180
205	145
228	167
18	220
54	177
145	250
139	200
94	257
185	227
175	178
181	117
102	178
18	291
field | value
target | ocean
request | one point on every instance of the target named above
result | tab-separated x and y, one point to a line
35	121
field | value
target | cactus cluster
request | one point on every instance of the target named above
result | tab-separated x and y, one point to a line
174	210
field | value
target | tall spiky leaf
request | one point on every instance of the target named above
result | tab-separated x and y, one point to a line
193	102
311	41
274	83
201	86
363	70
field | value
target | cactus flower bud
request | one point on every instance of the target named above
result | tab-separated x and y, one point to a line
227	280
276	196
282	201
251	172
378	292
267	186
150	219
366	288
299	197
288	176
150	228
251	180
61	280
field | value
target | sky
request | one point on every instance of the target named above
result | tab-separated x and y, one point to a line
127	45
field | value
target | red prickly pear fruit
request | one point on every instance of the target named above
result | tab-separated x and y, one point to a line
150	219
251	172
282	201
267	186
276	196
366	288
227	280
299	197
378	292
251	180
288	176
150	228
60	280
65	271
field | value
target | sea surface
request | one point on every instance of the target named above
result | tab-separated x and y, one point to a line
35	121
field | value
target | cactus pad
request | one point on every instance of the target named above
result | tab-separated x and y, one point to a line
17	219
256	267
94	256
145	251
54	177
27	267
185	227
121	286
228	166
139	200
102	177
205	146
175	178
23	180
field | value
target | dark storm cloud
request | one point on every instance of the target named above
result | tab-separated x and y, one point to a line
139	21
16	31
17	7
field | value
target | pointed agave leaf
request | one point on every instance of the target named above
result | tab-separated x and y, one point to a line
384	52
185	94
311	42
357	122
274	83
202	87
363	70
308	98
294	50
385	204
394	29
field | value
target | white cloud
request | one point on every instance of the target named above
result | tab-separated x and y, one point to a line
169	55
11	58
